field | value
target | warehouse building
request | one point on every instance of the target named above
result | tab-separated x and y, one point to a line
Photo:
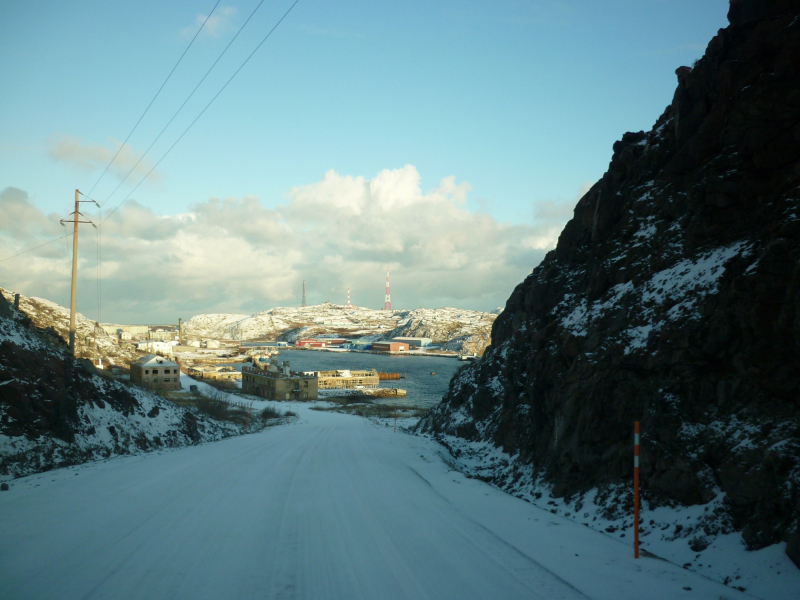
390	346
417	342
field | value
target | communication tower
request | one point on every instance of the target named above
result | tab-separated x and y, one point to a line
387	303
348	299
304	293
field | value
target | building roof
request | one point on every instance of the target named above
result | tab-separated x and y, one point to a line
154	359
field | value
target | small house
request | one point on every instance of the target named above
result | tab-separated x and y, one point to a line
156	373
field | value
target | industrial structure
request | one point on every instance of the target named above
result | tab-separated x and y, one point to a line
156	373
348	299
347	379
304	293
387	302
278	383
317	343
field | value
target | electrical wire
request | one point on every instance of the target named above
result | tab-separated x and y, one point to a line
36	247
154	98
66	235
185	131
199	83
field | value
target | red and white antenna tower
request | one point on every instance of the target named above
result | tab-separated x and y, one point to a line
348	298
387	303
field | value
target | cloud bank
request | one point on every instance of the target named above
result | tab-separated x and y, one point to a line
238	255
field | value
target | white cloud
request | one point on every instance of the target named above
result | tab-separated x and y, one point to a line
217	25
90	157
237	255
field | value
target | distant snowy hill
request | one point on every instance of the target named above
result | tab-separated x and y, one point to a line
458	329
56	411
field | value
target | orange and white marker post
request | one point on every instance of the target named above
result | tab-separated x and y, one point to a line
636	490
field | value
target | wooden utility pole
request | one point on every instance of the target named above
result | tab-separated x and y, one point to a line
74	275
75	219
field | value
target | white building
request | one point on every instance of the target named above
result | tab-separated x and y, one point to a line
155	347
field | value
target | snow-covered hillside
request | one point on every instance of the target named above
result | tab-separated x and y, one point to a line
90	341
56	411
458	329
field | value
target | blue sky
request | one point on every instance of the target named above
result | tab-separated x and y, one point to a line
521	100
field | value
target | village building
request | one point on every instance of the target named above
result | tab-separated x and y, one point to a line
390	347
156	373
214	372
136	329
311	343
161	335
155	347
278	383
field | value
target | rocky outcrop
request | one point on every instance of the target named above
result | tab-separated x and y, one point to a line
91	340
672	298
56	411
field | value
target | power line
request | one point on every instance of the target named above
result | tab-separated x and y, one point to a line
199	83
204	110
36	247
266	37
154	98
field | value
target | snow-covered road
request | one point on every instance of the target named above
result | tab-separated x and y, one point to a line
329	506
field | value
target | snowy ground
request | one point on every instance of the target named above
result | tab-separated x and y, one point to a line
666	532
328	506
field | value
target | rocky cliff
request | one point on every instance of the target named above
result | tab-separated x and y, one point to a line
672	298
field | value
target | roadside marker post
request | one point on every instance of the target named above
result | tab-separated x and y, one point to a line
636	489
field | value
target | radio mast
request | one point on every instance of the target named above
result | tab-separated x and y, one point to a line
387	303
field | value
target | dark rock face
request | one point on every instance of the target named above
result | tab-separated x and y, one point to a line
672	298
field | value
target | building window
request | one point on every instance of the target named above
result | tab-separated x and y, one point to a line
166	378
155	371
147	371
